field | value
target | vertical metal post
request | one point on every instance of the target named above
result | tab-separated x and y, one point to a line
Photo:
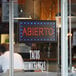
64	38
70	35
58	50
58	40
11	36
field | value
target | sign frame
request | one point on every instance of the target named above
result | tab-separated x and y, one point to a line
39	24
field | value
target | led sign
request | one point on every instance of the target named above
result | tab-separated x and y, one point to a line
37	30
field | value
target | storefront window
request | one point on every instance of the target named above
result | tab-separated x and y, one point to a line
36	35
38	56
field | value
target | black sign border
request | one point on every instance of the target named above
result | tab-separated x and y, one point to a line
37	21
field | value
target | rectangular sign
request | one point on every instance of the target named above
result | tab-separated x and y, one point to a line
37	30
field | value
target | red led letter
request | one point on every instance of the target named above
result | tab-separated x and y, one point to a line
24	32
50	31
41	32
36	31
29	31
45	29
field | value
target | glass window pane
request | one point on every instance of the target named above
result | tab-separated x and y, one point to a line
37	53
